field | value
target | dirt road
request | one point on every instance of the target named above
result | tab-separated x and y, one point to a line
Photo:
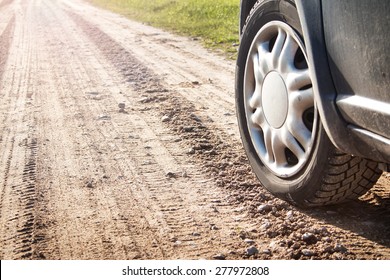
119	141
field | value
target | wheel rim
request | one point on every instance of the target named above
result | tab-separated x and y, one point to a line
279	100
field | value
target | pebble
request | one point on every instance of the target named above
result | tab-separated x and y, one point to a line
89	184
211	152
309	238
308	253
195	234
122	106
219	257
327	239
249	241
274	246
252	251
214	227
340	248
165	119
266	225
296	246
267	252
264	208
290	216
170	174
188	129
104	117
191	151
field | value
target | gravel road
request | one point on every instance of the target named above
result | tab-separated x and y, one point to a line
119	141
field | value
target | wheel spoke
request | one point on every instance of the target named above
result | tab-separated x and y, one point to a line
259	76
278	47
298	79
255	100
287	55
263	55
257	118
300	101
267	132
299	131
292	144
278	150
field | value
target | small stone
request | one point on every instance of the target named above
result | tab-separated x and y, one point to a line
252	251
211	152
214	227
195	234
290	216
264	208
122	105
296	246
191	151
272	233
309	238
266	225
249	241
188	129
104	117
328	249
327	239
170	174
165	119
267	252
219	257
307	253
184	175
89	184
274	246
340	248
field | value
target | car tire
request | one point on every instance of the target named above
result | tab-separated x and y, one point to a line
280	128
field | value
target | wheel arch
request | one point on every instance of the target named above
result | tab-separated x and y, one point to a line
346	137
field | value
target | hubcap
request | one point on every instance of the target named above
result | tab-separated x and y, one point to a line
275	105
279	100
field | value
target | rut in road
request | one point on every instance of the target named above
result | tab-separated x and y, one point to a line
162	178
100	183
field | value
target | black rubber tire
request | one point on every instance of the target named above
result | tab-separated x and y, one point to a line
329	176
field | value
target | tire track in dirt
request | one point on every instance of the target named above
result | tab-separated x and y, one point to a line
103	186
89	189
5	42
206	81
18	147
174	207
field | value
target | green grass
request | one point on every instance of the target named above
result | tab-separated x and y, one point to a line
215	22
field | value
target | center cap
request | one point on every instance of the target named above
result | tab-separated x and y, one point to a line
274	99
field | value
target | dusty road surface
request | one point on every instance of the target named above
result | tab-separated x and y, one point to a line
119	141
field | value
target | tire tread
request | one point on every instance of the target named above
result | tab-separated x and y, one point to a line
347	178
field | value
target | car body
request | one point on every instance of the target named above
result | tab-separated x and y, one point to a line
346	48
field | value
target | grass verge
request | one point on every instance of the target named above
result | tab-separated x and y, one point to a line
214	22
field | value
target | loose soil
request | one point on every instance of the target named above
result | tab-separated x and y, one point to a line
119	141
